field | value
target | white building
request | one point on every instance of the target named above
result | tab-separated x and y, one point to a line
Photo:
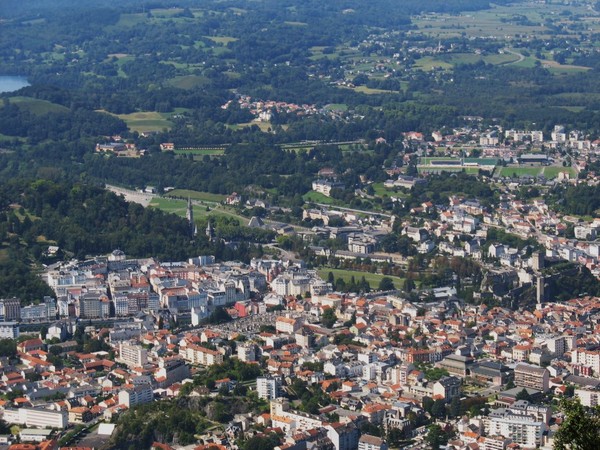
288	325
246	352
137	395
588	398
196	354
133	355
268	387
9	330
34	417
521	429
368	442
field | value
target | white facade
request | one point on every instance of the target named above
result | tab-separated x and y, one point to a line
9	330
133	355
33	417
523	430
268	387
136	396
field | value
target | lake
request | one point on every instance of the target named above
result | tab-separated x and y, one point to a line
10	83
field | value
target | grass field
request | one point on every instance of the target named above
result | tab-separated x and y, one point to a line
520	171
264	126
317	197
36	106
179	207
199	153
438	169
552	171
224	40
146	121
382	191
370	91
426	160
337	107
372	278
197	195
188	81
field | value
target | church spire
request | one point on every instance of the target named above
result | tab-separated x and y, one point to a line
190	218
210	232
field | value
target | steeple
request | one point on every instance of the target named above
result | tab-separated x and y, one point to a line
210	232
190	218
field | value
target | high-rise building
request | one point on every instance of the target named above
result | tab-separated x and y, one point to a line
10	309
533	377
268	387
133	355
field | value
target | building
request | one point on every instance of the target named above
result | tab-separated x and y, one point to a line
588	397
533	377
246	352
343	436
268	387
137	395
36	417
10	309
132	355
586	358
491	372
287	325
34	435
522	429
171	370
368	442
325	187
447	388
9	330
196	354
284	418
90	306
456	364
30	345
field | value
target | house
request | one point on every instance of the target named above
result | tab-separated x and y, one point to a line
343	436
369	442
30	345
325	187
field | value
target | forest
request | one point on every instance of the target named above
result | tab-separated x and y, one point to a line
85	220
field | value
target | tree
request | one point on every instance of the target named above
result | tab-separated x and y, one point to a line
386	284
438	409
523	395
8	347
330	278
409	285
262	442
455	406
328	318
436	437
580	429
427	404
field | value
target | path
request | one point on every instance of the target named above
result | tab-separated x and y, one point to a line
512	52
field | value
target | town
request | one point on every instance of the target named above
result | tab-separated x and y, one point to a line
472	350
126	332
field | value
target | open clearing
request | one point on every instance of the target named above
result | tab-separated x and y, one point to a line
146	121
372	278
36	106
196	195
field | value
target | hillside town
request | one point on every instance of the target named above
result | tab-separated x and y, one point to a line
125	332
402	366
